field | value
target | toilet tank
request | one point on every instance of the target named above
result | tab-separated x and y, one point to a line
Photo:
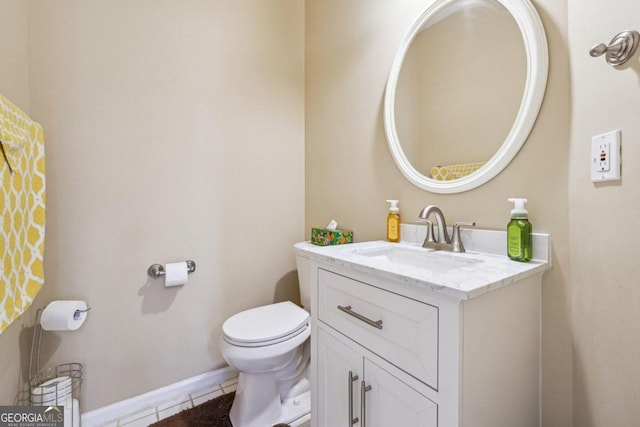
304	279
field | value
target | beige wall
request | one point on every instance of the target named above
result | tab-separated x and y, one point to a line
14	24
349	51
174	130
604	223
14	84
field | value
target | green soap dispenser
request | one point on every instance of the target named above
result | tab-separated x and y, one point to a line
519	232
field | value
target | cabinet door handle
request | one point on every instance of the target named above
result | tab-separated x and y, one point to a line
352	379
363	402
375	323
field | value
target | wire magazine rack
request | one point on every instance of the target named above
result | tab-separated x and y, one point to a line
59	385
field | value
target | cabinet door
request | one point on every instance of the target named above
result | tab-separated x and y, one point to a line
391	402
337	395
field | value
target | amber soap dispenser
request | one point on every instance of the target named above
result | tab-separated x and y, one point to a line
393	222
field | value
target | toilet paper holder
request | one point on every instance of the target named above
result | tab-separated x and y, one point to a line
78	313
157	270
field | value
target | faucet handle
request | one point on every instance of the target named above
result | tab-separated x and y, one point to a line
457	241
429	238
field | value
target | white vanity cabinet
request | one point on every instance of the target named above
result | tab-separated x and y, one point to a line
391	351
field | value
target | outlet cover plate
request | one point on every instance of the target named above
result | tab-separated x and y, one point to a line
605	157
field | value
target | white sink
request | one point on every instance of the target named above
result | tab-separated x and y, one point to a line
434	261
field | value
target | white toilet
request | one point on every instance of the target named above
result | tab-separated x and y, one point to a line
269	347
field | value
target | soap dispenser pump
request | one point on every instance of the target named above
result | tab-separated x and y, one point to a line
393	222
519	232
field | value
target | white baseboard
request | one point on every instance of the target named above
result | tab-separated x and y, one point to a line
117	410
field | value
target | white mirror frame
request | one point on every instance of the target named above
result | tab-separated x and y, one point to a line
535	43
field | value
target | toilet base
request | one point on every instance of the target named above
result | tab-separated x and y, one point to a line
266	407
257	401
296	411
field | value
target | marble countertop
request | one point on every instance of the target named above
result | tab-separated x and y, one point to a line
459	275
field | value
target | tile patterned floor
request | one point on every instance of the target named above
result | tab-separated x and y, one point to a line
147	416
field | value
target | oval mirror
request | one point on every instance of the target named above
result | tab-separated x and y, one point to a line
464	91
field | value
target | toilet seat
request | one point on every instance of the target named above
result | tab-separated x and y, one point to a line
266	325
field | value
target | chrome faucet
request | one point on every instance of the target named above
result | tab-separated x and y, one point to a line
444	242
443	235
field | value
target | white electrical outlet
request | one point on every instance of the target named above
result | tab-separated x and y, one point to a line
605	157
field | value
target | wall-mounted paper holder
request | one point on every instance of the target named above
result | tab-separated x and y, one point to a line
157	270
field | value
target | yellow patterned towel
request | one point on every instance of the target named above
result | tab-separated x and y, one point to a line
449	172
22	201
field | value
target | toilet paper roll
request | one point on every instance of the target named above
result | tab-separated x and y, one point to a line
68	416
72	414
76	413
176	274
63	315
55	392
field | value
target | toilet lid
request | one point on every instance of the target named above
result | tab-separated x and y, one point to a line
265	323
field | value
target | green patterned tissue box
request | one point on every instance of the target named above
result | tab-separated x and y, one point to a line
326	237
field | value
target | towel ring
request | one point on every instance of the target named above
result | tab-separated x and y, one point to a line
620	49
